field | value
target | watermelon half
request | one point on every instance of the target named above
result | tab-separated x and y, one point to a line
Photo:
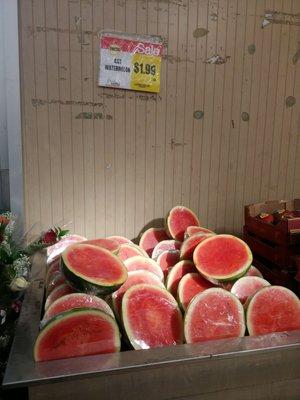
151	237
165	245
178	219
190	285
92	269
128	250
139	263
108	244
76	300
56	280
189	245
273	309
192	230
151	317
134	278
56	250
253	271
222	257
77	332
119	239
176	273
247	286
168	259
214	314
58	292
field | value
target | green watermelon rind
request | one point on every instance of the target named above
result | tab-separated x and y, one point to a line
67	314
184	249
207	293
228	277
169	215
126	324
173	271
85	284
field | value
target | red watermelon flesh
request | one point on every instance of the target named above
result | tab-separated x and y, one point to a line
128	250
134	278
190	285
167	259
56	280
75	333
139	263
119	239
222	257
189	245
192	230
76	300
178	219
247	286
151	317
58	292
108	244
55	250
151	237
214	314
165	245
273	309
253	271
176	273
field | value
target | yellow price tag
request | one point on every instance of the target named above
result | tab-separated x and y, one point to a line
145	74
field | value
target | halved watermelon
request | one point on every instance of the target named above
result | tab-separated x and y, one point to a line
151	317
128	250
92	269
77	332
56	280
151	237
222	257
189	245
178	219
108	244
58	292
214	314
192	230
119	239
165	245
56	250
176	273
134	278
138	263
247	286
253	271
190	285
76	300
52	269
273	309
168	259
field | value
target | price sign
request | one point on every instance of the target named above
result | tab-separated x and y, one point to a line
130	61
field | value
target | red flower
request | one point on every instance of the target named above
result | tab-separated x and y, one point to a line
49	237
3	220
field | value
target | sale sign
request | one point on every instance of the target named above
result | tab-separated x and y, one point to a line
130	61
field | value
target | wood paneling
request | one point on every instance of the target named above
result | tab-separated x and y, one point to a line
116	173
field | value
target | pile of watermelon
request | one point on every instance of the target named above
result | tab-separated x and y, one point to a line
181	283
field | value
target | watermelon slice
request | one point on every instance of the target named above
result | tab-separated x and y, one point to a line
222	257
165	245
77	332
247	286
138	263
58	292
214	314
176	273
76	300
151	317
168	259
128	250
57	279
151	237
119	239
190	285
273	309
178	219
52	269
253	271
92	269
56	250
192	230
189	245
134	278
108	244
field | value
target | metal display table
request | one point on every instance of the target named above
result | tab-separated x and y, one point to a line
262	367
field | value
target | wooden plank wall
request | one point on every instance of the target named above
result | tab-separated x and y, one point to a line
105	160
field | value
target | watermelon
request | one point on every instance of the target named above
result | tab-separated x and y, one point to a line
253	271
189	245
178	219
119	239
247	286
76	300
192	230
190	285
57	279
168	259
165	245
138	263
222	257
273	309
77	332
92	269
127	250
108	244
176	273
56	250
151	237
52	270
134	278
58	292
151	317
214	314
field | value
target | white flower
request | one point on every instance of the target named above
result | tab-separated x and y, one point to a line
19	284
